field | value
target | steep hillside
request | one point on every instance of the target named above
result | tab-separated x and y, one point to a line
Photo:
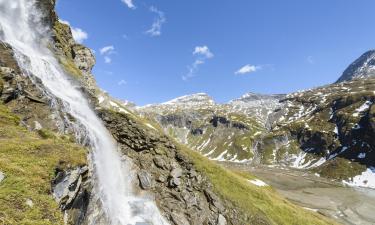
223	132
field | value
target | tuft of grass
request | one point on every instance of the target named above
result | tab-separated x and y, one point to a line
261	204
29	162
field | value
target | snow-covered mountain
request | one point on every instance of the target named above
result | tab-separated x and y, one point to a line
224	132
363	67
327	130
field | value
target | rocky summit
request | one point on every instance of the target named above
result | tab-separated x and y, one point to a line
363	67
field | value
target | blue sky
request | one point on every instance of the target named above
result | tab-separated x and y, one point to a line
151	51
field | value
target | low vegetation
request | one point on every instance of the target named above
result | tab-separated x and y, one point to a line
261	204
29	160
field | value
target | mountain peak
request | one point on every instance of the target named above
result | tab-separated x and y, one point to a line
363	67
251	96
198	98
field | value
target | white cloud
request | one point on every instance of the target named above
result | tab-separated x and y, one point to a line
106	52
122	82
248	69
129	3
192	69
78	34
202	54
203	50
156	26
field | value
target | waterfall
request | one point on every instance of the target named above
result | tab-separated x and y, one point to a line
21	27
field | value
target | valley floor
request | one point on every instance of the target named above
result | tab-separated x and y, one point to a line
346	205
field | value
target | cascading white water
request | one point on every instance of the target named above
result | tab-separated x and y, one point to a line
22	28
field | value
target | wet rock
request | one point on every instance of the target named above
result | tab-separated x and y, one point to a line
66	186
145	180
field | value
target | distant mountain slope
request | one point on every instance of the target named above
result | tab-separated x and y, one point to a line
328	130
363	67
334	127
224	132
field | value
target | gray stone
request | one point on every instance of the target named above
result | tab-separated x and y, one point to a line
145	180
174	182
176	173
214	201
67	186
2	176
179	219
221	220
161	179
159	162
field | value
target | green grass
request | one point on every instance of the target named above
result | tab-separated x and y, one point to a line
257	203
29	161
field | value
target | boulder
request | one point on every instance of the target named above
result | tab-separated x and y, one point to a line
67	185
145	180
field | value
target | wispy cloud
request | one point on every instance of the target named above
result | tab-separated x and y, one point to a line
202	53
310	60
107	51
203	50
129	3
248	69
79	35
122	82
159	20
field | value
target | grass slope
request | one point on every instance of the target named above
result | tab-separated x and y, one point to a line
262	203
29	161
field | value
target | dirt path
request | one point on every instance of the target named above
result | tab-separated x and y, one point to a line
346	205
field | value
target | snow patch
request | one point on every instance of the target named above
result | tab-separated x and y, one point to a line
258	183
366	179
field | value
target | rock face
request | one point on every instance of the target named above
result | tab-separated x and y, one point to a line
363	67
184	195
224	132
71	189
